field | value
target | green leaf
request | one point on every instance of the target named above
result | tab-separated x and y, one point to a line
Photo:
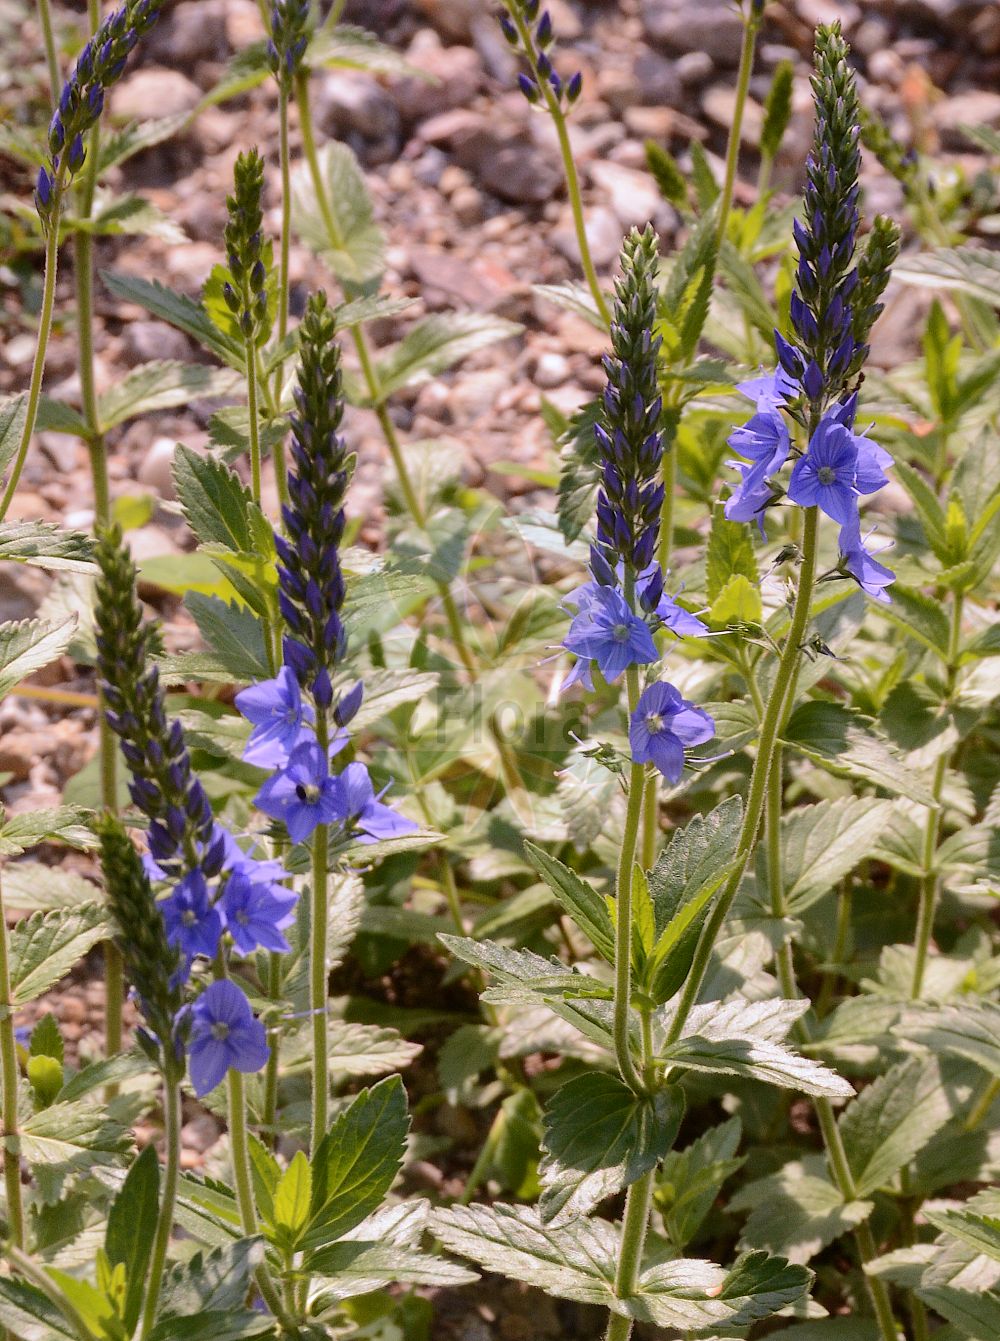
730	554
69	1137
347	47
579	898
684	302
233	634
435	344
687	874
45	947
689	1180
742	1038
356	1162
667	174
27	646
118	146
218	507
56	416
131	1229
129	214
738	604
579	470
968	270
777	109
891	1120
970	1030
43	545
361	1268
846	743
341	229
30	1315
210	1282
177	310
46	1040
796	1212
161	386
13	417
292	1199
65	825
822	843
977	1223
600	1137
920	616
574	1261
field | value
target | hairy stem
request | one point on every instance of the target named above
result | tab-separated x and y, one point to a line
168	1200
240	1151
555	110
756	795
31	1271
8	1107
750	26
51	55
317	966
38	366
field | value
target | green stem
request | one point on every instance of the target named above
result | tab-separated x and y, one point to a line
51	55
983	1104
637	1204
165	1219
929	880
284	159
274	976
31	1271
750	26
255	470
841	943
317	966
569	165
11	1142
368	371
38	366
770	727
239	1148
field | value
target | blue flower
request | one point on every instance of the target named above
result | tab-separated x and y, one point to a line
359	807
224	1034
256	912
871	576
192	921
662	725
302	794
826	475
606	631
279	718
765	441
770	388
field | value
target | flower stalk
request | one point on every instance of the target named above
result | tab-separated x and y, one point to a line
8	1081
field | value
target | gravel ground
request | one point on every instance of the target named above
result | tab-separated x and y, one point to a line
468	186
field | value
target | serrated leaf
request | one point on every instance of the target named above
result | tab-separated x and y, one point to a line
689	1180
360	1268
161	386
846	743
13	417
741	1038
213	1282
891	1120
435	344
43	545
968	270
600	1137
822	843
342	229
691	1295
730	554
177	310
66	825
574	1261
218	507
67	1137
46	1040
970	1030
796	1212
120	145
27	646
45	946
738	603
30	1315
234	635
579	898
348	47
129	214
976	1224
356	1162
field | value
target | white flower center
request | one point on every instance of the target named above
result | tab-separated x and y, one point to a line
220	1030
826	475
654	722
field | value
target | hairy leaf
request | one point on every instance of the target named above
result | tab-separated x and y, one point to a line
891	1120
45	947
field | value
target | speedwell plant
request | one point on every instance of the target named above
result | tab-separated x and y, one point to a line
725	888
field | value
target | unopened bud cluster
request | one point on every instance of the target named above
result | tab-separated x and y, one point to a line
289	39
528	29
101	63
245	291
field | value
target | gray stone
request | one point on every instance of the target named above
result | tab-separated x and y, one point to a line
456	76
194	30
712	26
156	470
508	164
149	93
349	104
144	341
979	107
657	79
